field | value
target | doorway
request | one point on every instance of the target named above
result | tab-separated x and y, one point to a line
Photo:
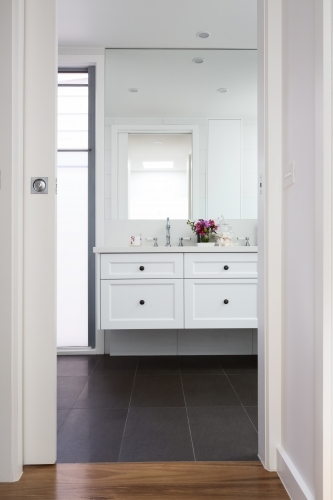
89	391
263	375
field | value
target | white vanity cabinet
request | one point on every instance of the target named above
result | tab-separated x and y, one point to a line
220	290
178	289
131	299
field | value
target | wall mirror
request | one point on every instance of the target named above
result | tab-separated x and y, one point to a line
183	133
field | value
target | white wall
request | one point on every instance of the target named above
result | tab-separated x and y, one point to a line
298	346
11	229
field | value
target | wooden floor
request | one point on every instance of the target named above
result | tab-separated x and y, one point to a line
146	481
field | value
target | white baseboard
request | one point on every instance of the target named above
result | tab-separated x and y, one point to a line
291	478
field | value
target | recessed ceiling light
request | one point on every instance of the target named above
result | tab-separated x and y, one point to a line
157	164
203	34
132	90
197	60
157	142
222	90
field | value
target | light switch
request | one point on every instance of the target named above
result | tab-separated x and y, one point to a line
289	174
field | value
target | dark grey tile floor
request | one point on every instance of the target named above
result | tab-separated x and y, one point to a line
158	408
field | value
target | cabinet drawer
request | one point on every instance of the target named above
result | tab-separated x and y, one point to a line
212	265
141	266
139	304
205	306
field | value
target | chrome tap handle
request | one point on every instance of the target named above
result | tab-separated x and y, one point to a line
180	244
167	244
154	240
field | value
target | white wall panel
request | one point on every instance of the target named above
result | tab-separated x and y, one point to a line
224	169
298	410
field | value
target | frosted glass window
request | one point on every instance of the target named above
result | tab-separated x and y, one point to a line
73	159
72	104
72	139
73	122
72	256
73	78
72	211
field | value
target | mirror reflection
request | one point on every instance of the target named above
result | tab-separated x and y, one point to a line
184	133
159	176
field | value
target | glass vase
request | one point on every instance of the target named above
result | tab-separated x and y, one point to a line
204	239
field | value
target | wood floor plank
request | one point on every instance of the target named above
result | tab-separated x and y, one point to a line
147	481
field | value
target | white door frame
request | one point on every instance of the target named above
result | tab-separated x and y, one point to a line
11	229
323	252
270	106
269	228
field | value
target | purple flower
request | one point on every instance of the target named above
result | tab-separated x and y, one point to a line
203	227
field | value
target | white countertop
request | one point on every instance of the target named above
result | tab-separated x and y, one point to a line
184	249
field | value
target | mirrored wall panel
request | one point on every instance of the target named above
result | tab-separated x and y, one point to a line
182	134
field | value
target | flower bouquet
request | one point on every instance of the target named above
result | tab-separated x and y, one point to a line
203	229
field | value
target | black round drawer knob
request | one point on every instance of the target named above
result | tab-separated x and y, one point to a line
142	302
226	301
142	268
226	268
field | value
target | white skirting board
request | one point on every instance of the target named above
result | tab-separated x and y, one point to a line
182	342
291	478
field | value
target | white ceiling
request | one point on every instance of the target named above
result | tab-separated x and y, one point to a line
170	85
157	23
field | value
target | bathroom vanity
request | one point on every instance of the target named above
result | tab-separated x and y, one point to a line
177	288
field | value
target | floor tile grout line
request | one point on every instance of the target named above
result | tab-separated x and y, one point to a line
72	408
248	416
58	430
78	396
92	371
128	409
188	420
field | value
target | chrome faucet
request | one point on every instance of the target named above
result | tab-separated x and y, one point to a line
167	244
